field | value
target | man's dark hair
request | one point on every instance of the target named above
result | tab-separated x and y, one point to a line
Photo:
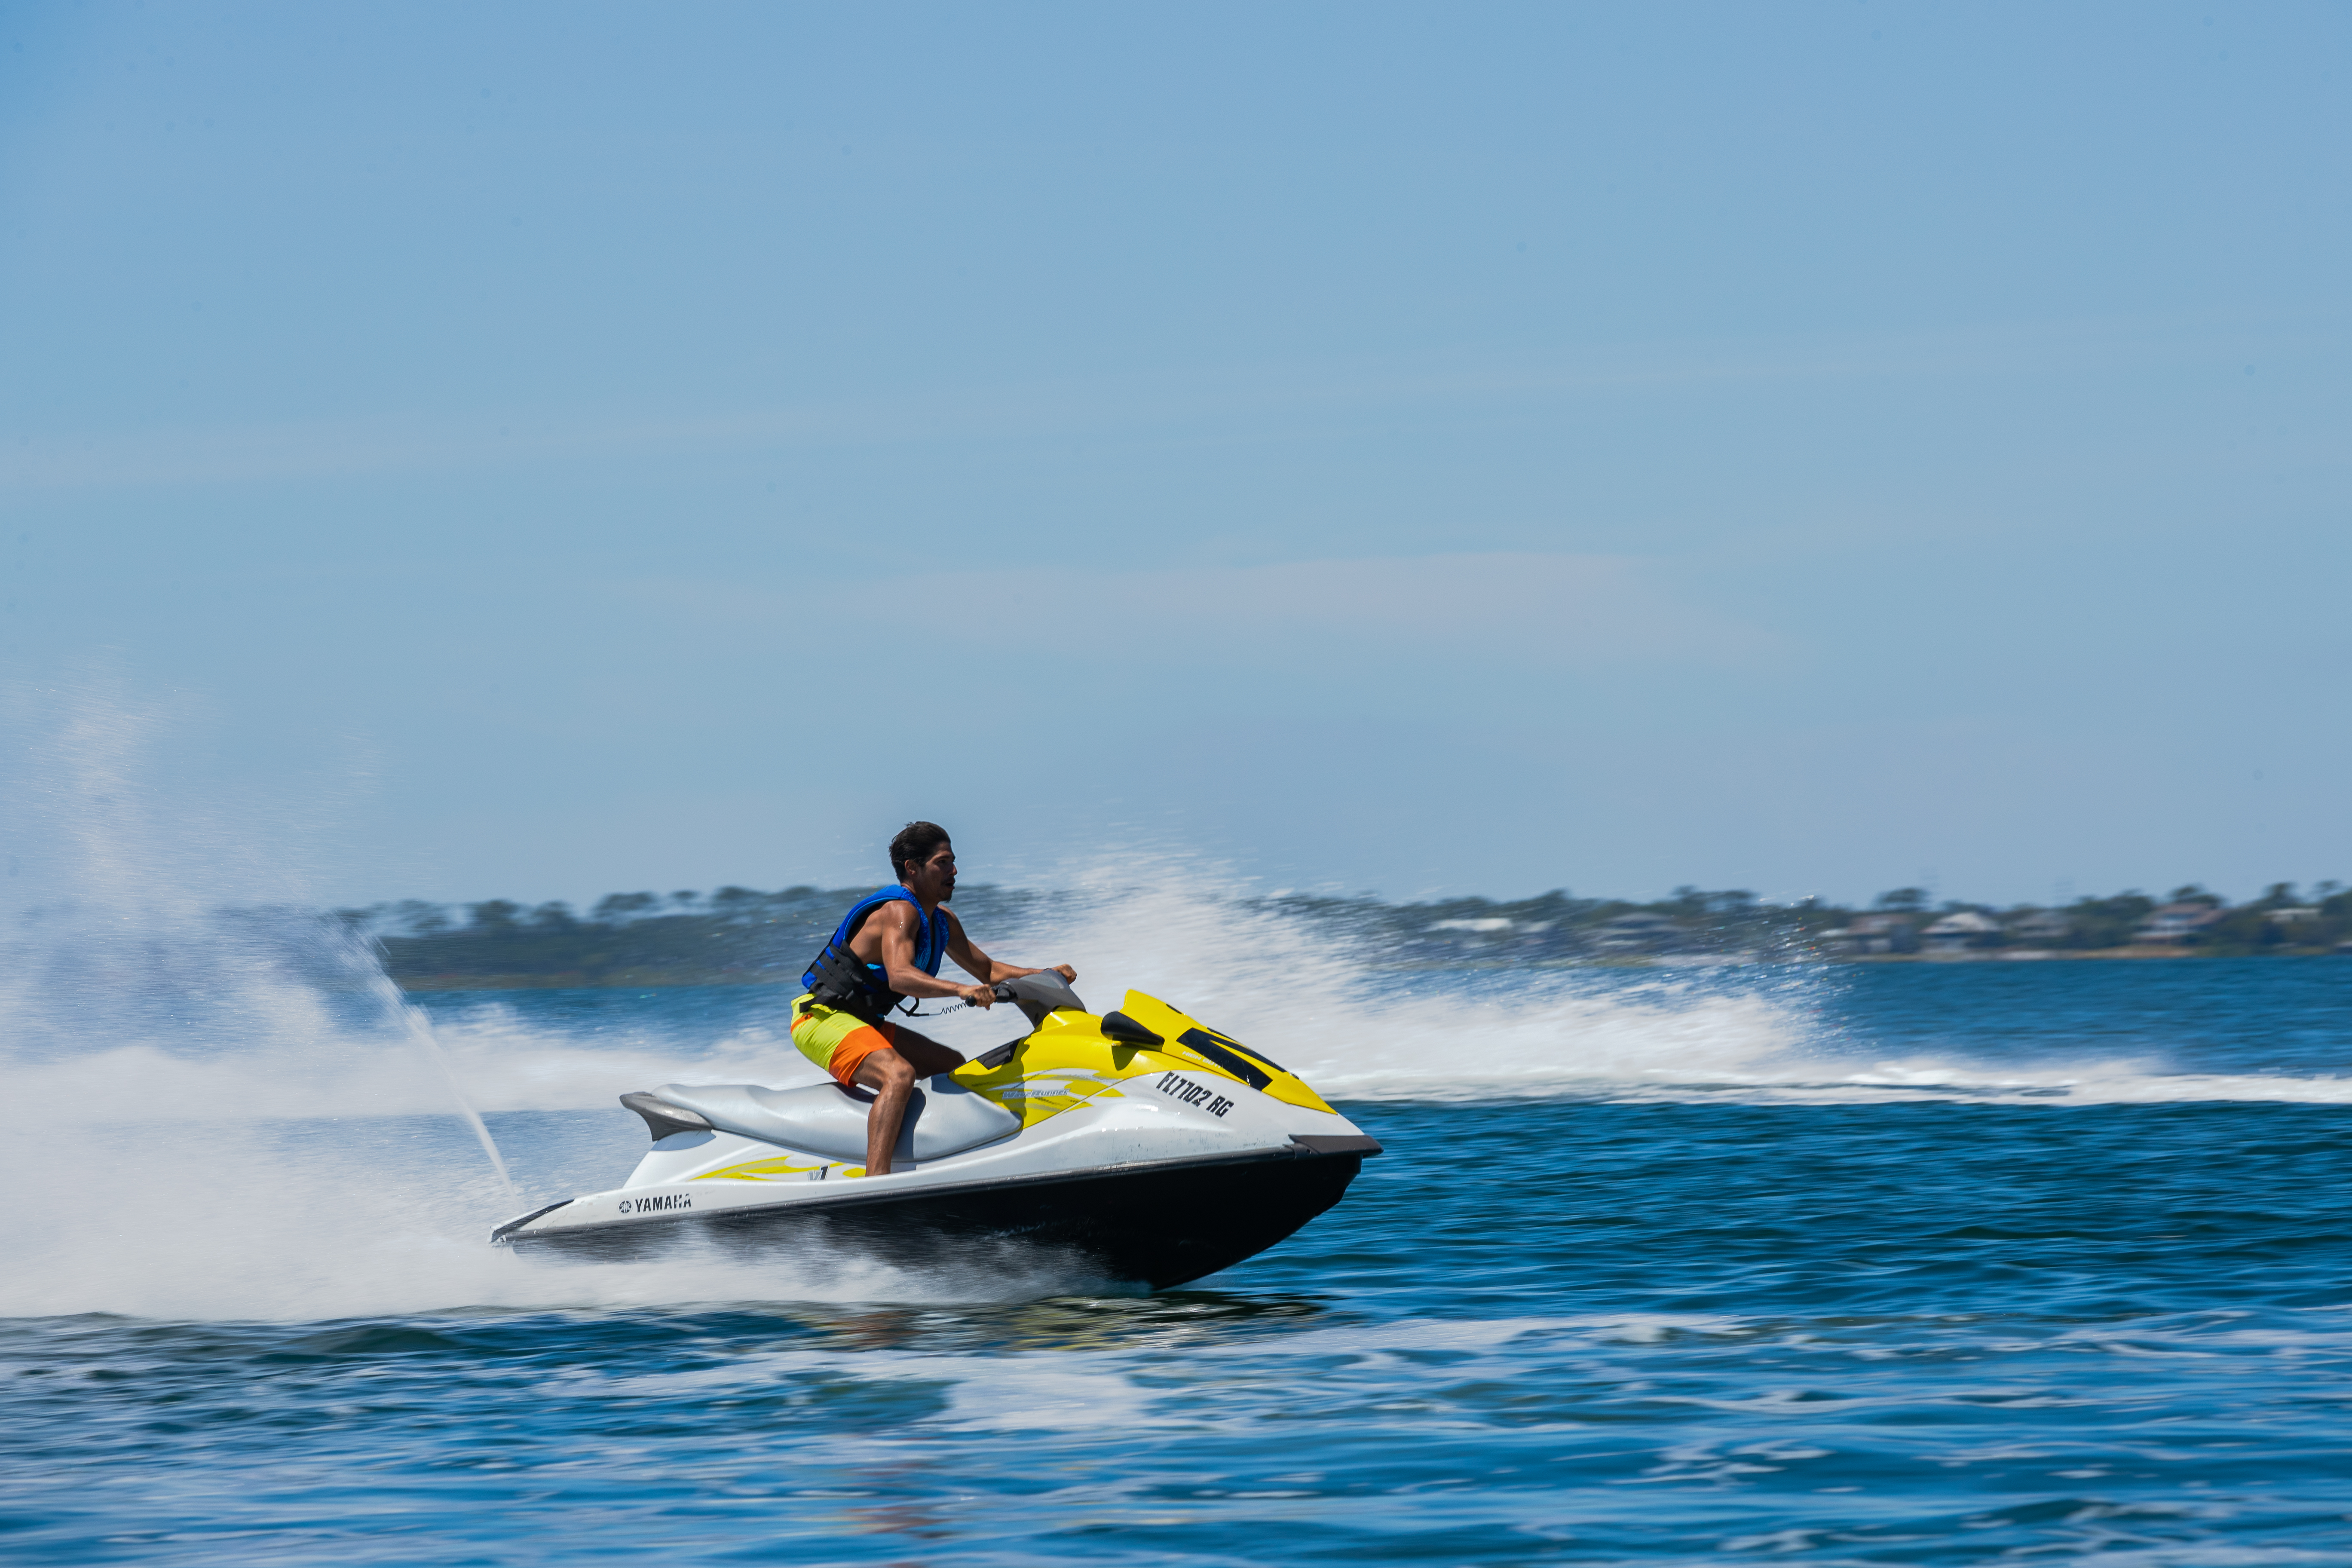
917	842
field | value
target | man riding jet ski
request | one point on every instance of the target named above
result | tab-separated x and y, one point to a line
888	948
1141	1144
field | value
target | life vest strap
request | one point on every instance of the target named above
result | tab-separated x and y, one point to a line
838	980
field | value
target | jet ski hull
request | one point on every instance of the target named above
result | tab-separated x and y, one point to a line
1159	1225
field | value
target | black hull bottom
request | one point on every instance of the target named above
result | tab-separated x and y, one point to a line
1159	1225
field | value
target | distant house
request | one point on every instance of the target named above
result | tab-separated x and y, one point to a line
1872	934
2177	924
2042	928
1637	932
1960	930
2294	914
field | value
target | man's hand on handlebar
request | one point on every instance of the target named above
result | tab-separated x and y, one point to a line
1066	972
978	995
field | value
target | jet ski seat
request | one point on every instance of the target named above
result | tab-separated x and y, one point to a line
943	1117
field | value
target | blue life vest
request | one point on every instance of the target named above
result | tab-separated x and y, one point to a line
930	944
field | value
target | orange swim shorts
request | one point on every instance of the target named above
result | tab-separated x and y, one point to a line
837	1041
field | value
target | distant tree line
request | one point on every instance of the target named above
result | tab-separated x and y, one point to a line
1903	921
741	934
732	936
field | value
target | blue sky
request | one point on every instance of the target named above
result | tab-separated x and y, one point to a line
538	450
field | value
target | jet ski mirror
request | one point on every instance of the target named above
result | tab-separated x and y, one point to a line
1128	1032
1038	994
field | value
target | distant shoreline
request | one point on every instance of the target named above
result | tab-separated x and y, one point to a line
659	980
740	936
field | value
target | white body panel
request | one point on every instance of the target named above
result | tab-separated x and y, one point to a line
1149	1119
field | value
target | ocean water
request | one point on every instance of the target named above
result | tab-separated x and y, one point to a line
1897	1264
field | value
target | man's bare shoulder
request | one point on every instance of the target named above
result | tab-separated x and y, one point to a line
899	913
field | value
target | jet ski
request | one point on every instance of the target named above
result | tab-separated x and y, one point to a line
1141	1141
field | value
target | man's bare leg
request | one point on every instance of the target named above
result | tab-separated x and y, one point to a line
890	1073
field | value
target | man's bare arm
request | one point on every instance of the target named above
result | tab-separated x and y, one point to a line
987	970
897	920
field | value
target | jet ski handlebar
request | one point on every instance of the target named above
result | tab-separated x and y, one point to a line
1038	994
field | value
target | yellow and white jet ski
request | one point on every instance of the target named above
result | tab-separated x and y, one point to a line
1155	1148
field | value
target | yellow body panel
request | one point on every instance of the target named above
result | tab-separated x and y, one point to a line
1067	1060
782	1168
1064	1062
1162	1019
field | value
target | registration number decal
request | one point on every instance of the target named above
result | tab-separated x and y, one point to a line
1184	1090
